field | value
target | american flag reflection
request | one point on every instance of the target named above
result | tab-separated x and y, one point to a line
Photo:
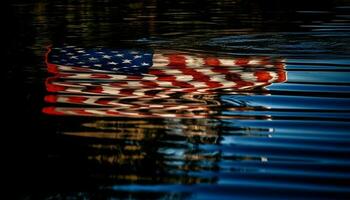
145	84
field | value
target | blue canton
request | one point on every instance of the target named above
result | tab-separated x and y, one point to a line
119	61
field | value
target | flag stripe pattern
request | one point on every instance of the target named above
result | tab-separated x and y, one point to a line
129	83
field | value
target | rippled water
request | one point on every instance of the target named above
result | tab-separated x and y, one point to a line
277	138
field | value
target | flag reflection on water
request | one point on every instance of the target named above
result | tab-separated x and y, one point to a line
145	84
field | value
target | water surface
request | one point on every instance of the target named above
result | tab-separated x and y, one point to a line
281	139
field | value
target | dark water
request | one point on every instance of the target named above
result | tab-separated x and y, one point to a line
288	139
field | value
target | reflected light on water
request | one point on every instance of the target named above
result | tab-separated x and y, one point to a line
243	99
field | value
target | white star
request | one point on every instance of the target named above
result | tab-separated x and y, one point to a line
126	61
92	59
106	56
120	55
81	63
97	65
138	56
112	63
70	54
73	57
70	46
87	54
134	66
134	52
81	51
115	51
115	69
100	52
144	64
63	51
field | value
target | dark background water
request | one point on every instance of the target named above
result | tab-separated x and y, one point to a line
289	141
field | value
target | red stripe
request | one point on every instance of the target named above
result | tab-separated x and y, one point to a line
106	76
263	76
110	112
167	78
242	61
182	84
51	87
197	76
81	112
282	76
176	60
52	68
127	92
156	72
103	101
149	83
52	111
51	98
95	89
212	61
77	99
213	84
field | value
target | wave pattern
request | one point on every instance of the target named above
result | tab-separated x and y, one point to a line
257	136
245	100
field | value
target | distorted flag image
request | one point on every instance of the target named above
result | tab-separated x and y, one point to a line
138	83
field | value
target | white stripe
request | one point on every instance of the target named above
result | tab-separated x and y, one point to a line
72	68
228	84
198	84
274	76
75	90
173	72
208	72
66	111
150	78
254	62
248	76
91	76
159	61
107	90
226	62
165	84
218	78
176	107
184	78
139	93
164	114
155	106
61	99
134	83
97	112
193	61
129	113
91	101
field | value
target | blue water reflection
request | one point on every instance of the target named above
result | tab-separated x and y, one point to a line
276	128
